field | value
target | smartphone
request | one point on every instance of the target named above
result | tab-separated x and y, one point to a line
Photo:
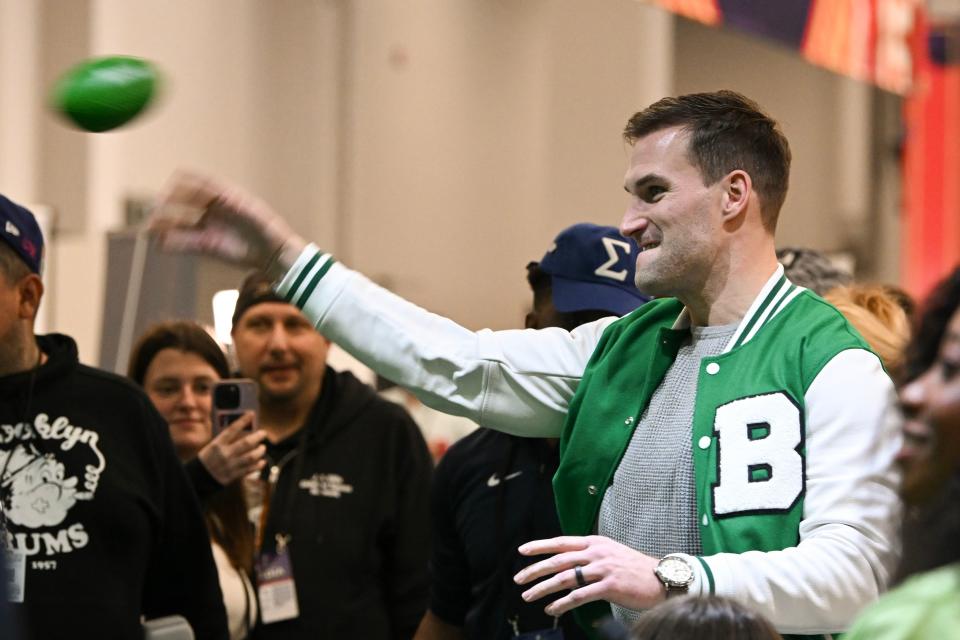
231	399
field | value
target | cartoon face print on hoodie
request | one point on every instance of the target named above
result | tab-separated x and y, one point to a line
46	467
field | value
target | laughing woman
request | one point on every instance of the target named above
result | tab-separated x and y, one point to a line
927	604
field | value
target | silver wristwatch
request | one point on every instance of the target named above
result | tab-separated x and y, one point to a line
676	574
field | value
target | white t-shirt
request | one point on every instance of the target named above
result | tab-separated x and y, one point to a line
238	595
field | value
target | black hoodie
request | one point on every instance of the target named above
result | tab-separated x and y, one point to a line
356	508
94	495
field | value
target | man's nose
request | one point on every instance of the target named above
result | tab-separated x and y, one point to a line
633	222
278	338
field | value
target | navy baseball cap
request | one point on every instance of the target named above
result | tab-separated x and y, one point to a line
19	229
592	267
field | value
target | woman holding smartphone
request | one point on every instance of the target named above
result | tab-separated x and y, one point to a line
178	363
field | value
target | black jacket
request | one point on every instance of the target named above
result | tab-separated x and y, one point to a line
356	508
94	495
492	492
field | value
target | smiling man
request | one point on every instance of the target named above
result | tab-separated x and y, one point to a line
735	436
346	513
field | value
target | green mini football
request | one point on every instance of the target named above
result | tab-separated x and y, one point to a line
104	93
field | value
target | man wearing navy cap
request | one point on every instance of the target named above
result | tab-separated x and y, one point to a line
492	491
99	524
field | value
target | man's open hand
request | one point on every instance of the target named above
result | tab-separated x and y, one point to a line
612	572
200	214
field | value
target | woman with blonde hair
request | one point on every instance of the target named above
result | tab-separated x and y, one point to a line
877	313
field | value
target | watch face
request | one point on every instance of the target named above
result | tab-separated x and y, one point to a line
675	572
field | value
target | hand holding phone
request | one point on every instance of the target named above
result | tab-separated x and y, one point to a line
236	448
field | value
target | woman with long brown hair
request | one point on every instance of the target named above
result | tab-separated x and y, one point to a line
177	363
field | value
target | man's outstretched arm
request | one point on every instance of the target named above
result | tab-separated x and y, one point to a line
515	381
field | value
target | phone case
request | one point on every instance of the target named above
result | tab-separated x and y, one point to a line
232	398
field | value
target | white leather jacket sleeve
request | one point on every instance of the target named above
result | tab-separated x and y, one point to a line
522	382
849	535
518	381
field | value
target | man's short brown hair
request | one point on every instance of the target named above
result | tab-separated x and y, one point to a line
727	132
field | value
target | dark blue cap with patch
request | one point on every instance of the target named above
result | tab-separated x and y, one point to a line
19	229
592	268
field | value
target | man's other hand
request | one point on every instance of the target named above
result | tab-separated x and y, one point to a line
611	571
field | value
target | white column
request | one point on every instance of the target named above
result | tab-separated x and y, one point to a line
19	108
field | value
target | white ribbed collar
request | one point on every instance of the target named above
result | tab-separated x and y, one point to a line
775	295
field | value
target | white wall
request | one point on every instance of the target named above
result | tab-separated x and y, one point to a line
437	145
241	96
479	130
19	108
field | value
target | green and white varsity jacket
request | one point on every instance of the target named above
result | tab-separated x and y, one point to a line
794	430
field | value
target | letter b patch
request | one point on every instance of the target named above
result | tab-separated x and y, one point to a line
759	465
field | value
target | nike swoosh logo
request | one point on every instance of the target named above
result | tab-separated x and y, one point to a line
494	480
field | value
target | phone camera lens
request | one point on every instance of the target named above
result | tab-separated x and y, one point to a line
226	396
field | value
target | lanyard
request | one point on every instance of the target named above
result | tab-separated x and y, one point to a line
284	524
269	487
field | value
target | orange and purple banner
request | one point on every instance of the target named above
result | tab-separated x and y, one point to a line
906	46
866	39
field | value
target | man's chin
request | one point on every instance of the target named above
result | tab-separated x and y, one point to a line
276	393
651	286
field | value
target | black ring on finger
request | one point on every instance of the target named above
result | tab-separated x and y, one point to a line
578	570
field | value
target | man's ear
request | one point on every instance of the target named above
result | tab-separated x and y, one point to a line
30	289
737	188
